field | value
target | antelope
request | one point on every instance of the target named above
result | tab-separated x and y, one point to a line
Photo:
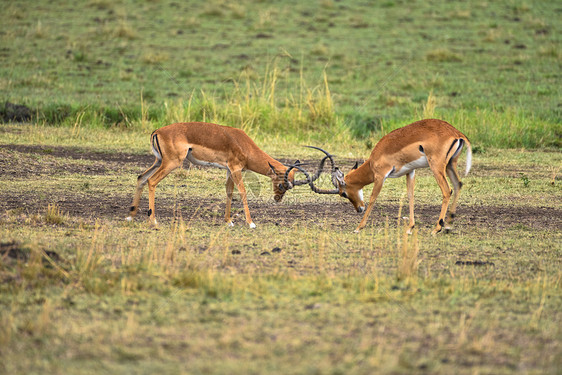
213	145
427	143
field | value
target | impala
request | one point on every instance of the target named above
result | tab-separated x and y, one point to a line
426	143
211	145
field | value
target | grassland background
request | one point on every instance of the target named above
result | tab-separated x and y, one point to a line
197	297
493	68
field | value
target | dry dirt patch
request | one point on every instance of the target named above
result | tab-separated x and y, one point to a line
30	161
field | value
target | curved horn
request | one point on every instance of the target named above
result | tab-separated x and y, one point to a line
311	184
321	166
314	177
295	183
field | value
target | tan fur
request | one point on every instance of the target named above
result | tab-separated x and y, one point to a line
395	151
223	146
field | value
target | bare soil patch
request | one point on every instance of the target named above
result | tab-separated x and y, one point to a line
20	161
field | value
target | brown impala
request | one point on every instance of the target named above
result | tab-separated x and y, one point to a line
211	145
426	143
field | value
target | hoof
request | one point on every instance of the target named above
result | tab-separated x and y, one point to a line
252	225
129	218
230	224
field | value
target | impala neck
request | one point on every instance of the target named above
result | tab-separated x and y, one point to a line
361	176
259	163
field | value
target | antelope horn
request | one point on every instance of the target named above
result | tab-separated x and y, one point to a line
311	183
296	165
304	182
321	166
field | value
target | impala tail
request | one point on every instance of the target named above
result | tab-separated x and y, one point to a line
457	146
143	178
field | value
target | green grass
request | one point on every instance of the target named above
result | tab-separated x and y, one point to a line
262	66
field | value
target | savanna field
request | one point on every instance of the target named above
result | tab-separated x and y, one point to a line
82	290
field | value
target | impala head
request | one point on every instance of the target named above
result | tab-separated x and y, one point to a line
350	191
283	179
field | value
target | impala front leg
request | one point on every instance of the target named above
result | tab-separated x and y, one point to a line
376	190
237	179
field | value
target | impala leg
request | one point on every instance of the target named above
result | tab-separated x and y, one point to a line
410	182
229	190
162	172
141	181
376	191
457	186
446	191
237	179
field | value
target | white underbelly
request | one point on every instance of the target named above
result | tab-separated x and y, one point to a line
204	163
409	167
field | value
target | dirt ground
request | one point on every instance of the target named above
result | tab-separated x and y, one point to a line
28	162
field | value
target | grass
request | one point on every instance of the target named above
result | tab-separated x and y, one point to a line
161	299
300	294
472	62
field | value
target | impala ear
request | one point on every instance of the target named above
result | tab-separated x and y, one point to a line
355	166
338	178
271	166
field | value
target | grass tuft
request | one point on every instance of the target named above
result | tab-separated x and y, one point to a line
429	106
442	55
54	215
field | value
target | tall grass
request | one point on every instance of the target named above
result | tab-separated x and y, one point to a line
271	106
511	127
257	106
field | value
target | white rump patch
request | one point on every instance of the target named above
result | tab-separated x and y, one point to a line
409	167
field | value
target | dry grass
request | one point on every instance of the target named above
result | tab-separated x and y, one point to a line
54	215
442	55
429	106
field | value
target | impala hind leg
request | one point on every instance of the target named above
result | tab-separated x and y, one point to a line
153	180
141	181
229	191
410	182
446	191
457	186
237	180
